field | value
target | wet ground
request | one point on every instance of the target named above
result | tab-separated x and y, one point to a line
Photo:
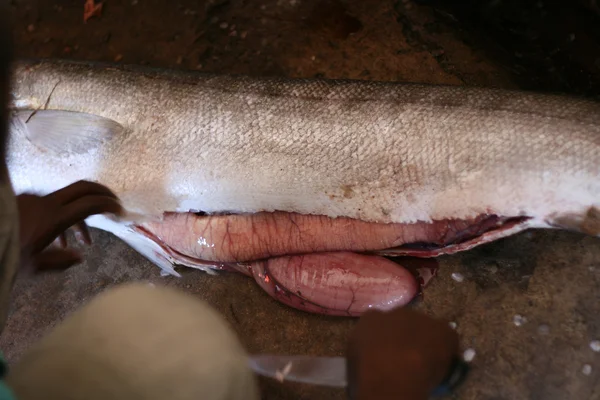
551	279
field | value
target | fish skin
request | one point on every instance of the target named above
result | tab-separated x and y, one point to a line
379	152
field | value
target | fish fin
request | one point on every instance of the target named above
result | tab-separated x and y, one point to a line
146	247
66	132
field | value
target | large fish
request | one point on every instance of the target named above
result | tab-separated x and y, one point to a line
316	188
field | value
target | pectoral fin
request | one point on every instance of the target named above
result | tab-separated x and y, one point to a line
65	132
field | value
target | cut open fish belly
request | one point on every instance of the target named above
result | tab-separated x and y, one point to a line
319	264
240	238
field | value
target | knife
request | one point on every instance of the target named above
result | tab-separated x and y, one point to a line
331	371
321	371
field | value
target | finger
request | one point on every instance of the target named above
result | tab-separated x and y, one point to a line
27	198
60	241
74	213
55	260
78	190
82	234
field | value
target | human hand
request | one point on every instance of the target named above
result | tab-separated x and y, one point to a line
399	354
44	219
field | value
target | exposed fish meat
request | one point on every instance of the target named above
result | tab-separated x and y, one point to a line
312	187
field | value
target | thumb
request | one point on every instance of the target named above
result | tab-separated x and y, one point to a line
55	260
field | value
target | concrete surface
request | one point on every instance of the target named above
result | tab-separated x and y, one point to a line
550	278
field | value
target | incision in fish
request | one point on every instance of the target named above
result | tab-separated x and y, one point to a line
336	266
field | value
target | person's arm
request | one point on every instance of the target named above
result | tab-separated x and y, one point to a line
400	354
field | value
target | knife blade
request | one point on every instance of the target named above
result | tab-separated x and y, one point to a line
322	371
331	371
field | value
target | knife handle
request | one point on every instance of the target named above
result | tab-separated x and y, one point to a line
456	376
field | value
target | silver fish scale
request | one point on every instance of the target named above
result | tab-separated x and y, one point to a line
376	151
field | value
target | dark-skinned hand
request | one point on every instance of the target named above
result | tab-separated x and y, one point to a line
399	354
45	219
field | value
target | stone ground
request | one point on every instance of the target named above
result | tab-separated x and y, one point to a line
551	278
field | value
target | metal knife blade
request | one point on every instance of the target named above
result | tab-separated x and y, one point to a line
322	371
331	371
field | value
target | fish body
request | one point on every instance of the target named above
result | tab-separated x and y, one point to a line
382	153
379	152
